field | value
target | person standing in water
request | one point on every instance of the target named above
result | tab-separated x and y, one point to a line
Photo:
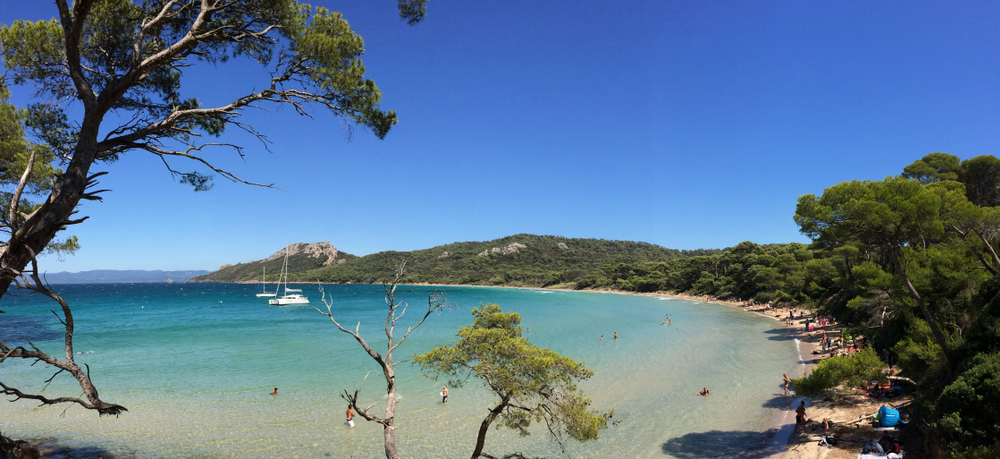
444	394
350	417
616	335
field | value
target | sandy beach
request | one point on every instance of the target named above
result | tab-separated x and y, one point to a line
849	416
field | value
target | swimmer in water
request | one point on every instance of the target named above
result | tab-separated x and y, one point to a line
616	335
275	391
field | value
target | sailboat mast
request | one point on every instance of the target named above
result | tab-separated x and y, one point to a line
286	270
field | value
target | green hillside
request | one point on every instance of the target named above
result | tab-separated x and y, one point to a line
518	260
251	271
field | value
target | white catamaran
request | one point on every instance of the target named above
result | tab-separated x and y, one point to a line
263	287
291	295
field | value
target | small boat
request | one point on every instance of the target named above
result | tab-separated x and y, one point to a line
263	287
287	300
291	295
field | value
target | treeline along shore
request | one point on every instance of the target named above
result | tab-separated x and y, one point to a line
909	262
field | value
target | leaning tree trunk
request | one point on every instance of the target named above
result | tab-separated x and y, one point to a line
31	238
938	336
484	428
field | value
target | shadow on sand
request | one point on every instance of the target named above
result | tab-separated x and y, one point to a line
715	443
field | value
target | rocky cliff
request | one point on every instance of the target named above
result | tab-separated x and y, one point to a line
323	250
302	257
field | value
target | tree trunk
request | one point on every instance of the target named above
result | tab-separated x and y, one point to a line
938	336
484	428
389	432
42	225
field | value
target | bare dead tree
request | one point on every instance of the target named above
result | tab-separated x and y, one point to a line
436	302
93	402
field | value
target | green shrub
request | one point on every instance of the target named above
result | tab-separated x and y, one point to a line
978	452
853	371
968	406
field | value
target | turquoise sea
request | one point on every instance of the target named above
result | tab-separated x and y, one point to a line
194	364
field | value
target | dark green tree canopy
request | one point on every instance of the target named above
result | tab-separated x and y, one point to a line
130	57
933	168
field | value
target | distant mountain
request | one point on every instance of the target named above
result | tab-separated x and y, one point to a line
111	276
520	260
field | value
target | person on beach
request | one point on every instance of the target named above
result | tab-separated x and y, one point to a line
800	417
350	417
444	394
275	391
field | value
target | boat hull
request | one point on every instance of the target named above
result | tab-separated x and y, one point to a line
288	300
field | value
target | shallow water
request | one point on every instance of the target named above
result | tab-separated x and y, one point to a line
195	363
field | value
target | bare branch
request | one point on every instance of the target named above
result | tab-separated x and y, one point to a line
187	154
93	402
16	200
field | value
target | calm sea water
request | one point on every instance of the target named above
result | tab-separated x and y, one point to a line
195	363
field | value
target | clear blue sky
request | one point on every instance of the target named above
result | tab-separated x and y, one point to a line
684	124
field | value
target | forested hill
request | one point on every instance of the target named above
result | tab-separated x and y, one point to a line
301	258
521	259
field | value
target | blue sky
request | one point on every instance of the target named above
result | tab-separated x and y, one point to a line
684	124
